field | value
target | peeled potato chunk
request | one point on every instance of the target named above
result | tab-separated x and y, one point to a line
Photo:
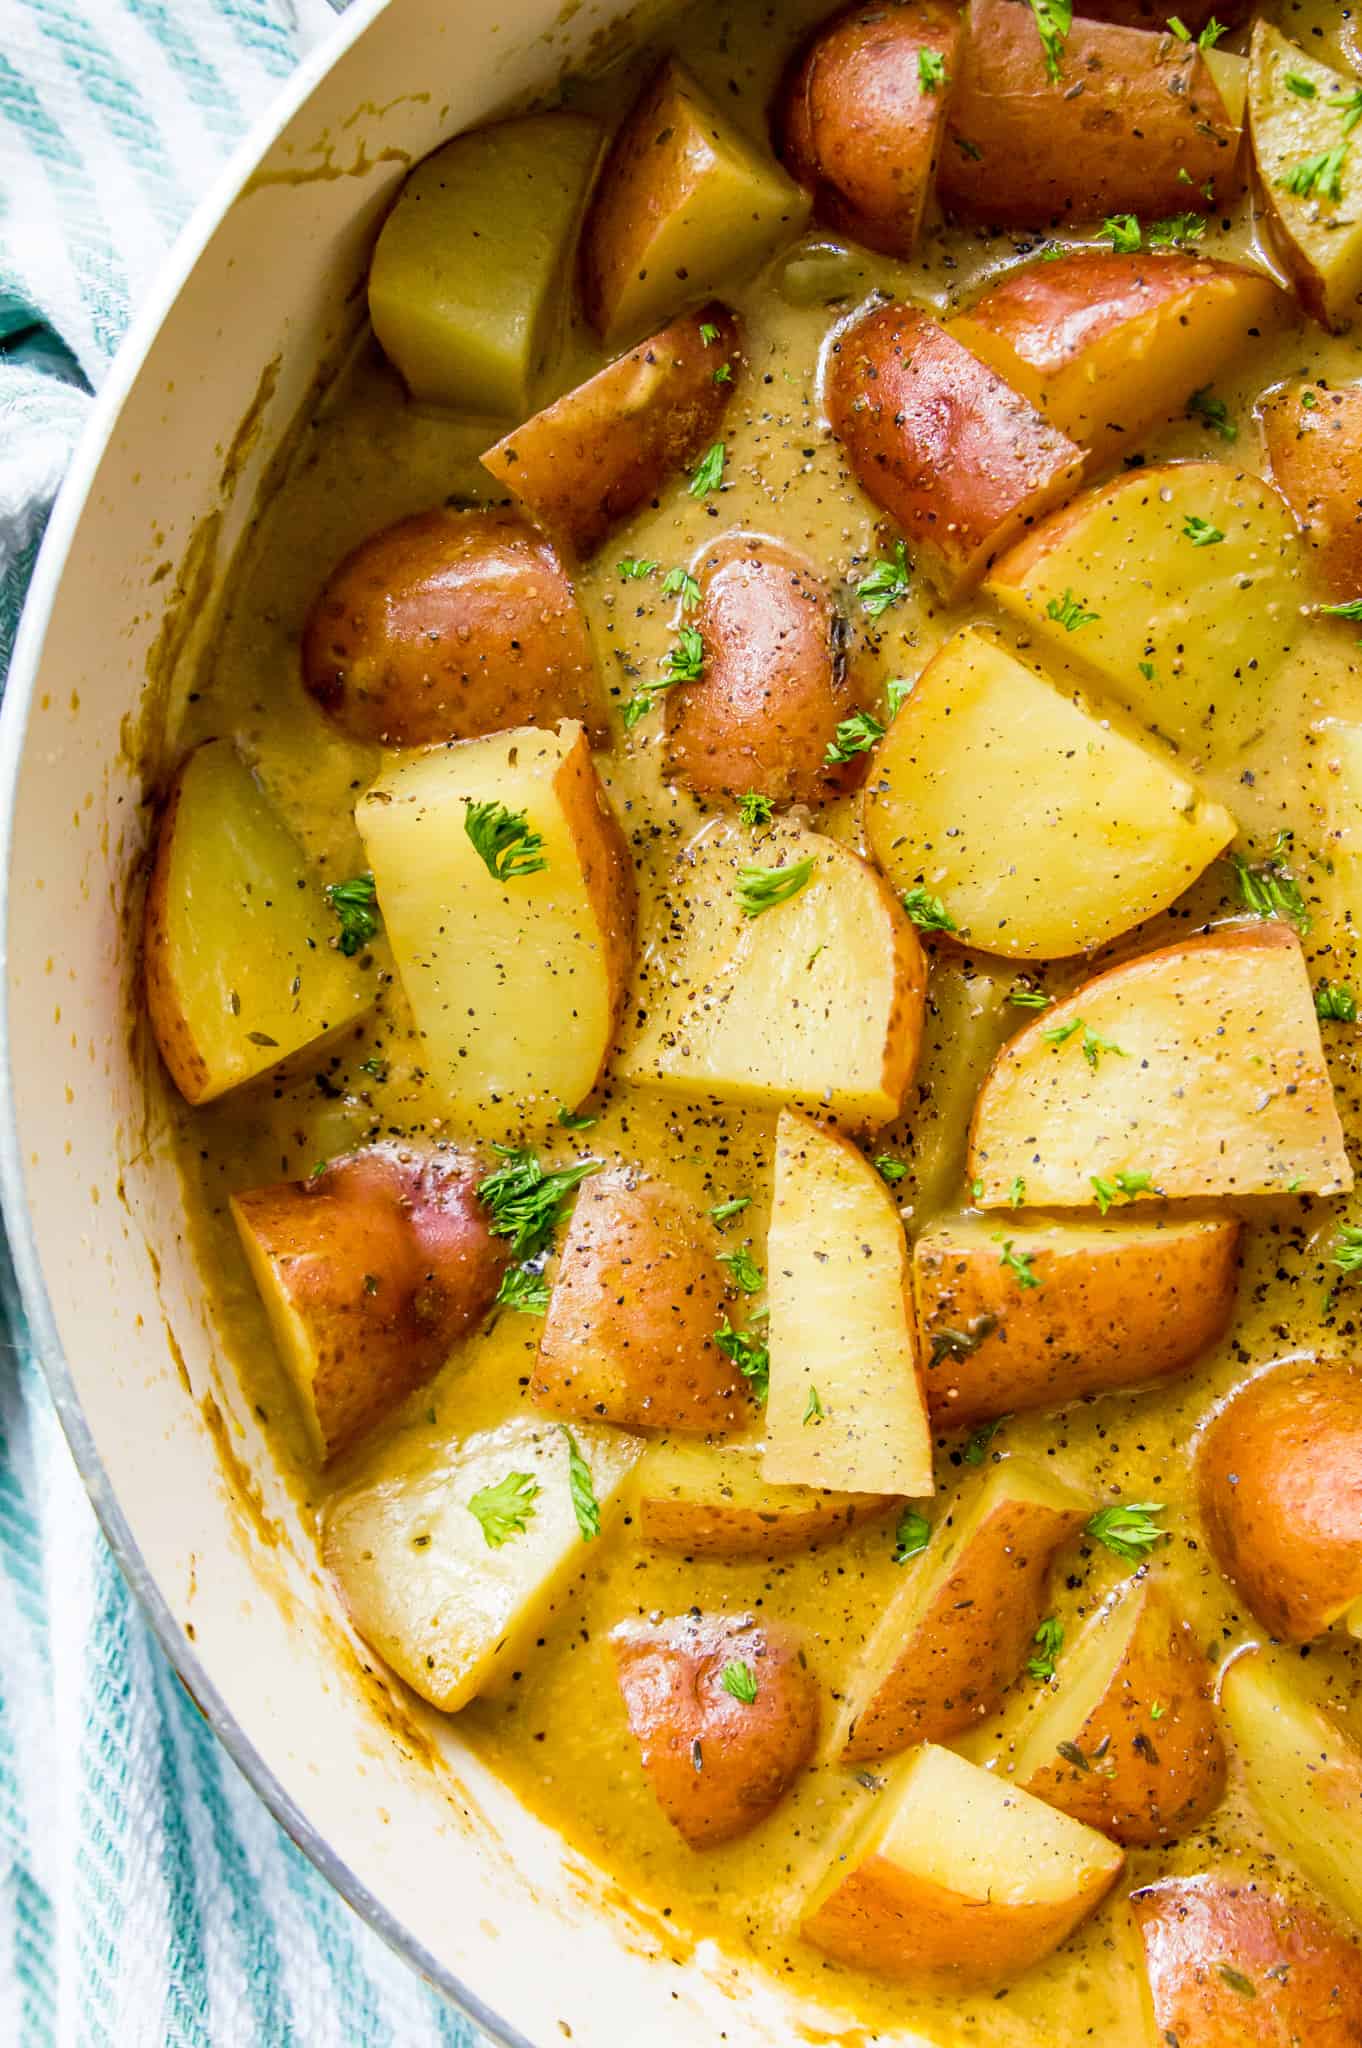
1114	1305
447	626
684	202
862	113
1128	1740
238	956
846	1407
1101	832
370	1270
958	1878
1230	1966
817	1000
451	1556
1314	447
1199	1065
712	1500
514	960
629	1334
952	1639
1191	576
1304	1775
1317	233
941	443
725	1712
465	287
1280	1478
1104	345
604	449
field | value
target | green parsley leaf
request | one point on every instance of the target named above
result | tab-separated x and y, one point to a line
634	568
724	374
571	1121
1303	88
374	1067
680	583
506	1509
1349	111
1122	230
1335	999
754	809
1127	1529
1054	19
886	583
685	662
1016	1194
1351	610
1179	29
855	735
1146	669
889	1169
1060	1034
1093	1046
744	1272
1269	889
709	334
356	905
1132	1184
928	912
1182	227
931	70
1200	532
911	1536
585	1505
761	889
709	471
1049	1641
1018	1263
895	691
1104	1191
969	150
749	1354
524	1201
734	1206
1023	997
503	841
1213	413
1322	174
813	1408
739	1681
1068	612
525	1289
1211	34
977	1447
1347	1251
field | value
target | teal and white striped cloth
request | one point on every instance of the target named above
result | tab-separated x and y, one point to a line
147	1900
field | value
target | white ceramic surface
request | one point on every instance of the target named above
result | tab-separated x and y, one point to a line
480	1897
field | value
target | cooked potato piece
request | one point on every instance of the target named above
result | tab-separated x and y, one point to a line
1280	1479
1134	121
952	1639
238	951
939	441
629	1334
1304	1775
862	114
711	1500
817	1000
1191	576
1153	13
958	1877
508	897
1230	1966
684	202
846	1406
765	712
465	287
448	626
451	1556
1104	345
1316	230
1101	832
1314	448
601	451
1128	1740
370	1270
1199	1065
1114	1305
725	1712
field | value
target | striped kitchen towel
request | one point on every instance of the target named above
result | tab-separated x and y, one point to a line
147	1900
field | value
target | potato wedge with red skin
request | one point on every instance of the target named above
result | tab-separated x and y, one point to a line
369	1272
941	443
717	1762
629	1334
1133	1699
1153	14
1104	345
858	127
1314	447
710	1500
447	626
1230	1966
1116	1305
774	689
1279	1474
1135	123
597	454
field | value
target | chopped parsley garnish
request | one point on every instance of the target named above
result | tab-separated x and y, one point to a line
889	1169
855	735
1211	34
1104	1191
374	1067
931	70
680	583
1132	1184
1068	612
709	471
813	1408
525	1201
1054	19
503	841
1016	1194
524	1288
1320	175
1023	997
969	150
1179	29
928	912
1200	532
685	662
959	1344
1146	669
734	1206
886	583
1269	889
506	1509
1128	1529
1335	999
634	568
895	691
1347	1251
1349	111
1213	413
1237	1981
709	333
911	1536
739	1681
1181	227
1018	1263
749	1354
572	1121
761	889
356	905
1303	88
585	1505
1093	1047
1122	230
743	1270
724	374
1353	608
1049	1641
977	1447
1060	1034
754	809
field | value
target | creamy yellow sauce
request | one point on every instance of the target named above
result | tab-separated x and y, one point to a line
557	1731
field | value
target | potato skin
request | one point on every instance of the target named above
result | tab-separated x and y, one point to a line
1200	1933
1315	454
855	126
1021	149
597	454
1280	1480
940	442
717	1764
386	1258
447	626
1103	1317
1152	15
774	688
629	1334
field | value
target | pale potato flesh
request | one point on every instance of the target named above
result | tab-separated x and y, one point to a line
515	985
817	1001
712	1500
423	1587
846	1407
1318	236
1200	1065
1101	832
